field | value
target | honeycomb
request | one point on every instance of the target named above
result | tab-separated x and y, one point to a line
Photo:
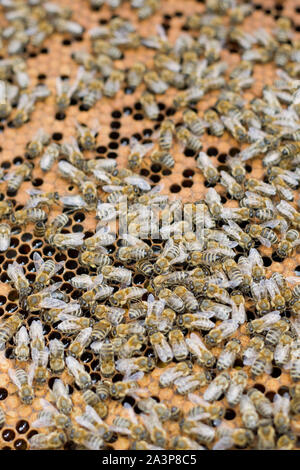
119	119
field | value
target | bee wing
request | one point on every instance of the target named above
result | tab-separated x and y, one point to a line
224	443
249	356
111	188
131	413
85	423
46	405
134	377
52	288
76	201
293	279
36	329
97	280
13	377
264	241
138	181
34	192
22	336
101	176
50	302
14	271
31	372
125	366
197	340
38	261
96	346
44	422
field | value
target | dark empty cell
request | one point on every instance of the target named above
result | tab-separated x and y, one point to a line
9	353
66	42
88	235
1	312
129	90
297	270
37	182
60	116
189	152
157	126
78	38
20	444
86	357
222	157
267	261
178	14
166	26
24	249
14	242
114	135
13	295
138	106
124	141
175	188
223	199
79	217
166	172
73	102
82	270
6	448
187	183
138	117
167	17
60	257
70	188
115	125
5	279
68	275
297	28
155	178
238	363
127	110
229	414
44	50
26	237
212	151
268	11
276	372
54	335
5	165
71	264
8	435
3	393
248	168
209	185
57	136
11	254
31	277
2	196
260	387
282	390
32	54
18	160
139	279
160	117
112	155
22	426
10	308
144	172
48	250
77	228
233	151
84	107
156	167
95	377
41	76
188	173
113	145
37	243
110	249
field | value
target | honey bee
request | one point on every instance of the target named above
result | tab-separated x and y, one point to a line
163	157
221	332
282	350
24	216
263	363
51	417
15	178
128	386
281	413
113	83
261	403
229	437
236	388
61	397
81	341
94	259
130	366
123	296
86	439
131	346
21	350
250	417
154	83
91	420
187	139
178	344
77	370
199	321
86	137
129	426
93	400
24	109
135	74
185	385
43	299
157	434
113	315
57	353
216	126
168	377
198	349
50	156
35	147
5	208
149	105
233	187
266	437
166	132
8	328
50	441
229	354
101	238
23	382
161	347
45	270
210	173
295	403
217	387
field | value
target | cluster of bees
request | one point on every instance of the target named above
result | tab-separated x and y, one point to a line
198	290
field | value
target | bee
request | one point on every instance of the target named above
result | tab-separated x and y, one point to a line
282	350
135	74
5	208
50	441
123	296
198	349
94	259
261	403
35	147
24	109
86	137
178	344
210	173
113	83
185	385
184	443
263	363
81	341
229	437
5	234
222	331
45	270
233	187
15	178
113	315
92	399
166	132
129	366
235	232
37	340
71	323
147	405
57	353
102	389
149	105
216	126
152	423
289	212
295	395
286	442
187	139
233	272
24	216
51	417
49	157
61	397
168	377
217	387
250	417
128	386
21	350
295	361
131	346
161	347
236	388
229	354
154	83
43	299
77	370
92	421
23	382
129	426
199	321
8	328
147	9
266	437
281	413
196	125
204	410
86	439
